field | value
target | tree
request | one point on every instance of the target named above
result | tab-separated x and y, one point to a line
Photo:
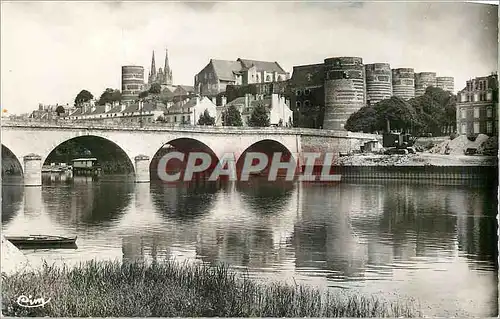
109	96
232	117
60	110
82	97
160	118
206	119
363	120
433	112
155	88
259	116
143	95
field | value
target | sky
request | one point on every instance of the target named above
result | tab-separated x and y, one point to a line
52	50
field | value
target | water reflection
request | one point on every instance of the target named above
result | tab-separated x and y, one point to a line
324	238
265	197
87	202
12	197
405	238
184	201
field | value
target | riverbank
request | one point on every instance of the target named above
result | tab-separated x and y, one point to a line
100	289
418	159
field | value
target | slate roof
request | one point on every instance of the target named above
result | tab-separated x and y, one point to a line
187	88
77	112
168	88
146	107
262	65
237	101
178	107
301	72
116	109
225	69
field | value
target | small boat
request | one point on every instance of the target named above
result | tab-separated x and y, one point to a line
41	240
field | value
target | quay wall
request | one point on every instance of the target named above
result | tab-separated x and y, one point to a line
481	174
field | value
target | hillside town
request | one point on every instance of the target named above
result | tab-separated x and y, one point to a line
321	96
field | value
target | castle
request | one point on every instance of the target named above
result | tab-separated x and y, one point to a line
164	76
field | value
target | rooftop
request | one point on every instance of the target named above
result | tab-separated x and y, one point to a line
226	70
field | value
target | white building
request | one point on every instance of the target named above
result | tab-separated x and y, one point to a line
279	111
147	112
189	111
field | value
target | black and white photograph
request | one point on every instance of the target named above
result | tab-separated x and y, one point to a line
249	159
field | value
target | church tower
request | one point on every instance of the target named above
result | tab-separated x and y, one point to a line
152	71
167	72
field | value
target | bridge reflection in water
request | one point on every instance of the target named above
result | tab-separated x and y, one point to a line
418	240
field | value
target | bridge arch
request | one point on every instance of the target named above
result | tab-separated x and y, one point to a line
185	145
110	155
11	164
267	146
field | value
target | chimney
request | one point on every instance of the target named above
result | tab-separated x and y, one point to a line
246	100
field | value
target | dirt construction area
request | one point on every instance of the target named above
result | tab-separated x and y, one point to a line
441	151
419	159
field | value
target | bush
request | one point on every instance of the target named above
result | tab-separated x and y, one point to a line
453	136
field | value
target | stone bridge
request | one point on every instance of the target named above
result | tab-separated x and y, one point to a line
31	142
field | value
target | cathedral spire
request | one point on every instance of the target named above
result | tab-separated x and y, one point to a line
166	70
153	65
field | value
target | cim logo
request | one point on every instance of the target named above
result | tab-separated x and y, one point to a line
29	302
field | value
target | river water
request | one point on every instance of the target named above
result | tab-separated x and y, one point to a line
431	242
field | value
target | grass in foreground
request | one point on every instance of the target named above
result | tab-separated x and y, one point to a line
101	289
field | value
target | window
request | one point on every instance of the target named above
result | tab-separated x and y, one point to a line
489	127
298	92
175	118
307	92
476	112
489	111
268	78
307	103
464	113
298	104
464	128
476	127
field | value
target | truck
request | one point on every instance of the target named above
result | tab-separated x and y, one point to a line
397	143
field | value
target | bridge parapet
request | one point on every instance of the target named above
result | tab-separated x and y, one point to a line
98	125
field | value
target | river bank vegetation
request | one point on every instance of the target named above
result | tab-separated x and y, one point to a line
170	289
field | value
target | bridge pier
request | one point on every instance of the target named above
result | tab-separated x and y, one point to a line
142	169
32	170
